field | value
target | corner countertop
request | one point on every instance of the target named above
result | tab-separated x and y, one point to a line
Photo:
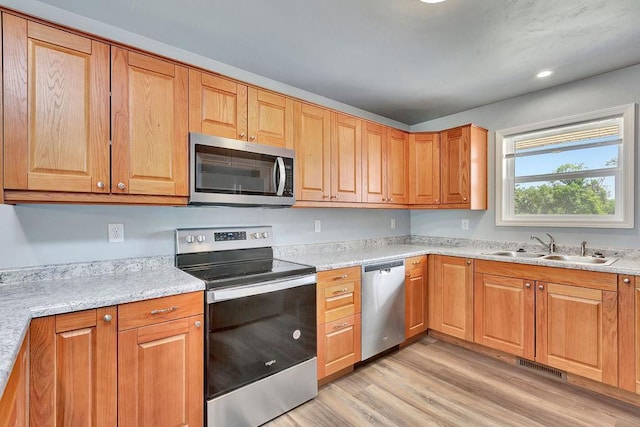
23	300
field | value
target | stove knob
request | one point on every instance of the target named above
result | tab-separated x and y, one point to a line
201	238
265	235
257	235
189	239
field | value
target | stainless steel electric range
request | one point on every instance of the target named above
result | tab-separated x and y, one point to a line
260	314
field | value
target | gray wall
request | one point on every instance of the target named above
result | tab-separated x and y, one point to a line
607	90
51	234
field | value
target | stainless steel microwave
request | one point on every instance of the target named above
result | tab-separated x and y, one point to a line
229	172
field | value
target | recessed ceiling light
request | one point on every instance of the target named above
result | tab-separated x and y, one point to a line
431	1
545	73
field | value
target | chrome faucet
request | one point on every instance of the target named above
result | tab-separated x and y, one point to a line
551	246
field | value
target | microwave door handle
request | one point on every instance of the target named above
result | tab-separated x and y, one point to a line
283	176
274	175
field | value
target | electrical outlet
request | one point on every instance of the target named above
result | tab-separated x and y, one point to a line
317	227
465	224
393	223
116	233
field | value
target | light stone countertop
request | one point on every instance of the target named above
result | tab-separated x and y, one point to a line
21	301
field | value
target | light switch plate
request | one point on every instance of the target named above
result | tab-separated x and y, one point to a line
317	227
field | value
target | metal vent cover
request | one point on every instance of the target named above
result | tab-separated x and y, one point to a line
543	370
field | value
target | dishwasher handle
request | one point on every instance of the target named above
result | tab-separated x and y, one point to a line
383	266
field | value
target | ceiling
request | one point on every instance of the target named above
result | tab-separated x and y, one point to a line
402	59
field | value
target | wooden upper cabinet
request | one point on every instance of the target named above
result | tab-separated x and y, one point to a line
504	315
270	118
374	163
313	152
217	106
463	154
424	168
397	166
150	133
346	158
74	369
577	330
451	296
56	109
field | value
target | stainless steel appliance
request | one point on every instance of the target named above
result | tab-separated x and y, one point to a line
383	307
229	172
260	314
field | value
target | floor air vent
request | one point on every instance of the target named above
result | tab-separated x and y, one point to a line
543	370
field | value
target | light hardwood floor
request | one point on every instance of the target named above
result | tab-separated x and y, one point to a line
434	383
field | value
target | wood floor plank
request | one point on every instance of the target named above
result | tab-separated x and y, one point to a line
435	383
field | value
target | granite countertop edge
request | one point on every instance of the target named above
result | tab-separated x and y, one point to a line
21	302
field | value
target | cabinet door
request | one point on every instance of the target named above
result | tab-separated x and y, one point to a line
374	163
160	374
313	152
455	155
424	168
346	158
576	330
73	366
339	345
150	136
451	297
56	109
397	166
628	376
14	401
415	286
637	324
270	118
217	106
504	314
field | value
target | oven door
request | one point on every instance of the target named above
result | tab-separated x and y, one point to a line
230	172
258	330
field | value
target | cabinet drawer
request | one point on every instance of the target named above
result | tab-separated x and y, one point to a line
338	294
339	345
415	262
148	312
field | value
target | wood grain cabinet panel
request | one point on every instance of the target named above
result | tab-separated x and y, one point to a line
14	402
415	286
270	118
346	158
424	168
398	166
637	328
450	297
577	330
339	345
56	109
627	352
374	163
313	152
73	369
504	314
338	294
217	106
150	132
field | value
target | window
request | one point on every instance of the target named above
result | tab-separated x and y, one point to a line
572	172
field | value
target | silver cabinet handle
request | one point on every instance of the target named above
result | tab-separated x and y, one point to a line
468	262
415	262
527	285
541	287
252	138
341	291
341	325
121	185
627	280
164	310
344	276
464	199
242	134
198	323
107	318
100	184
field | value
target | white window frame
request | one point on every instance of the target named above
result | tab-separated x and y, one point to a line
505	183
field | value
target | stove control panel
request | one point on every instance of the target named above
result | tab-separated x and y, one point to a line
194	240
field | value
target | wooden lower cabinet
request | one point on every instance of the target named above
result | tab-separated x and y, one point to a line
504	316
73	369
339	345
637	324
338	318
415	286
450	296
160	362
14	402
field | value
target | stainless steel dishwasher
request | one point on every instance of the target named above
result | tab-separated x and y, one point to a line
382	307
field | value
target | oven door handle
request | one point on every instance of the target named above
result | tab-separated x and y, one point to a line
218	295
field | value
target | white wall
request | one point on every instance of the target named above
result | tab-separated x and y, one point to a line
51	234
607	90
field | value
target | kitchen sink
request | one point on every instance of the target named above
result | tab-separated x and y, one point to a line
580	259
517	254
